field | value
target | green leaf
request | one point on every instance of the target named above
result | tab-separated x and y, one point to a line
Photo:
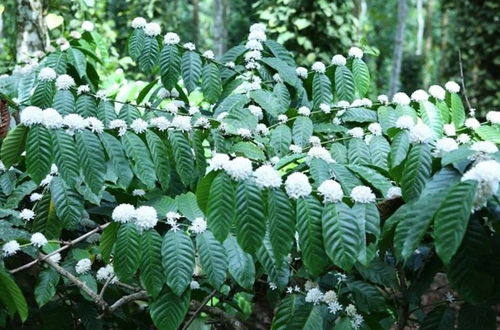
11	296
285	70
379	150
108	239
13	145
432	117
476	317
249	150
440	318
283	95
374	178
106	112
149	54
128	252
367	297
170	66
379	272
177	252
46	221
361	76
203	190
280	52
19	193
159	154
211	83
240	263
46	286
268	101
452	219
68	203
286	310
56	61
188	206
359	115
64	102
416	172
444	111
302	131
38	153
43	94
117	157
310	235
344	84
281	138
399	148
276	270
358	152
191	70
183	156
345	177
66	156
212	258
281	222
86	106
386	117
151	267
136	149
489	133
91	155
128	112
136	43
321	90
169	310
251	221
457	110
78	60
368	219
341	234
320	170
221	206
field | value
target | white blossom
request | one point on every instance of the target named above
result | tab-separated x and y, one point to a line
394	192
339	60
119	124
239	168
356	321
123	213
362	194
450	298
493	117
10	248
419	95
47	74
256	111
244	133
52	118
452	87
325	108
383	99
87	26
171	38
146	217
375	128
405	122
34	197
350	310
101	95
174	93
487	175
83	266
355	52
295	149
262	129
139	125
82	89
257	35
152	29
282	118
301	72
254	45
27	214
449	129
421	133
31	116
139	23
267	177
94	124
172	218
65	82
445	145
189	46
230	65
218	162
331	191
472	123
208	54
171	108
343	104
74	122
106	273
401	99
138	192
310	284
486	147
330	297
258	27
463	138
194	285
198	226
334	307
437	92
202	122
321	153
253	55
297	185
56	258
318	67
38	240
314	296
315	141
182	123
356	132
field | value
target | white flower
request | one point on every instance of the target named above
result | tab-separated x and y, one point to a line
362	194
254	45
325	108
174	93
366	102
437	92
330	297
94	124
262	129
139	23
452	87
339	60
343	104
75	34
82	89
119	124
355	52
194	285
272	285
334	307
257	35
172	217
171	38
304	111
208	54
152	29
189	46
310	284
38	240
258	27
405	122
253	55
56	258
321	153
463	138
244	133
172	108
401	99
202	122
218	162
230	65
295	149
449	129
123	213
297	185
331	191
472	123
445	145
301	72
27	214
493	117
383	99
83	266
375	128
146	217
356	321
315	141
35	197
138	192
421	133
450	297
239	168
357	103
350	310
139	126
65	46
101	95
314	296
394	192
106	273
87	26
10	248
356	132
486	147
31	116
267	177
47	74
419	95
318	67
182	123
256	111
487	174
52	118
198	226
74	122
282	118
65	82
193	110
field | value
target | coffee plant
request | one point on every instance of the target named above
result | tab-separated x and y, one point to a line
241	193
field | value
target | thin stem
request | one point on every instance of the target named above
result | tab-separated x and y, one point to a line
198	310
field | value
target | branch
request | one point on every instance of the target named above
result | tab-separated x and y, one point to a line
462	78
95	297
229	320
67	246
198	310
126	299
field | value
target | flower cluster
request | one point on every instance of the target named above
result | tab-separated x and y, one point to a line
144	217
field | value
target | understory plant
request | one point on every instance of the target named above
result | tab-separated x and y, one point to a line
242	192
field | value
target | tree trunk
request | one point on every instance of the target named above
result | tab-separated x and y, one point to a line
196	21
220	30
32	33
420	27
397	58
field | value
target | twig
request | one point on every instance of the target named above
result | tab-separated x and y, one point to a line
95	297
108	281
198	310
124	300
69	244
222	317
463	79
